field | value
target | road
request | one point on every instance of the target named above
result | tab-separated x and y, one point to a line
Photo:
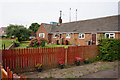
110	73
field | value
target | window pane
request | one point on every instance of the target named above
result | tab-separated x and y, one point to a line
54	35
41	35
68	35
79	35
111	35
107	35
82	35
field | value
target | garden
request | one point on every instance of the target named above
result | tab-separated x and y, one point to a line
25	44
36	43
40	59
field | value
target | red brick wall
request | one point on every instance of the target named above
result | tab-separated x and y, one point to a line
75	40
42	30
117	35
72	40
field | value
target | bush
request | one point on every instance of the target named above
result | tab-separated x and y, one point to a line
109	49
43	42
2	36
36	42
6	36
17	44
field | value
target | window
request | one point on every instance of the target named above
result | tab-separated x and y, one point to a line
81	35
42	35
67	35
54	35
109	35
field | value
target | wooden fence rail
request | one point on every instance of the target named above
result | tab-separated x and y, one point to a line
21	60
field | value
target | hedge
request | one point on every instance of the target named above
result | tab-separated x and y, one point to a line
109	49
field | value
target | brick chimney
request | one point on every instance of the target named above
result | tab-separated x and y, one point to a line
60	20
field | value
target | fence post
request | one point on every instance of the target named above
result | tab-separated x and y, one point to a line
1	73
66	56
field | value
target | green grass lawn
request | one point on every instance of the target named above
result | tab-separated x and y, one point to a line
66	46
22	45
7	42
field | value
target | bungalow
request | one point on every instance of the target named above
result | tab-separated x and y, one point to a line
84	32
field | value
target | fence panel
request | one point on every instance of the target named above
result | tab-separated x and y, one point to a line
21	60
89	52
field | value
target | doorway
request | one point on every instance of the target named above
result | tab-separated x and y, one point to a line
93	39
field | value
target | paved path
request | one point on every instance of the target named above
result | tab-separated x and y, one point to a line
77	71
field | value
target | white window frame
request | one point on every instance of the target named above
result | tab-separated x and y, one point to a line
109	35
80	34
68	36
54	35
42	34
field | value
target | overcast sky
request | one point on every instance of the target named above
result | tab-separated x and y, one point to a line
26	12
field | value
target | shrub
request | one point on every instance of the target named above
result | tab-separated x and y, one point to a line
2	36
17	44
36	42
109	49
43	42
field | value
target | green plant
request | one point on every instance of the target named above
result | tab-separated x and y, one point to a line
43	41
102	36
6	36
36	42
61	63
17	44
77	61
109	50
16	38
86	59
39	65
2	36
18	31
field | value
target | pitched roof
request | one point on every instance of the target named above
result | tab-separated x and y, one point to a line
92	25
49	27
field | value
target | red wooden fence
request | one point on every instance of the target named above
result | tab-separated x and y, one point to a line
89	52
20	60
8	75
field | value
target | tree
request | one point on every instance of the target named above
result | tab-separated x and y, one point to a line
34	27
18	31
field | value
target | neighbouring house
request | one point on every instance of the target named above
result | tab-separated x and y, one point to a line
3	31
84	32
